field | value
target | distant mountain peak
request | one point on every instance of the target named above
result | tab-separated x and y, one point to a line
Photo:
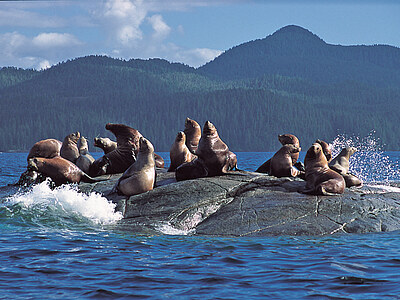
295	30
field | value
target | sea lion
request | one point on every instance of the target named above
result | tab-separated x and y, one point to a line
59	169
213	151
69	149
141	175
45	148
326	149
159	161
191	170
193	134
120	159
284	139
341	165
179	152
282	163
84	160
320	179
213	159
105	144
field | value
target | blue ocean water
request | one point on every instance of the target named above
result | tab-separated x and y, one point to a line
60	244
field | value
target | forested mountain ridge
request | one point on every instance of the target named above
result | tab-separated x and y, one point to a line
296	52
250	95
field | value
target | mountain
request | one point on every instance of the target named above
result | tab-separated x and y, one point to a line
289	82
296	52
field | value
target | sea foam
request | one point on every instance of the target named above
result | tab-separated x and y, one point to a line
369	163
69	199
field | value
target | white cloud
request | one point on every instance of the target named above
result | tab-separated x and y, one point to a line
38	52
161	29
48	40
197	57
122	20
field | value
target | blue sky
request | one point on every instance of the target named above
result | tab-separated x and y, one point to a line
38	34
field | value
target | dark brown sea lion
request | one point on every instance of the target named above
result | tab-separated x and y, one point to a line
69	149
191	170
284	139
341	164
179	152
282	163
120	159
141	175
84	160
45	148
213	151
326	149
105	144
59	169
193	134
321	180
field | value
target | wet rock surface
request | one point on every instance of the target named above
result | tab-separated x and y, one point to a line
251	204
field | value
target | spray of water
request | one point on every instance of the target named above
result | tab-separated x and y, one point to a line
66	200
369	163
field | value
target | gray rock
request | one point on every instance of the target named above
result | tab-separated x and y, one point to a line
251	204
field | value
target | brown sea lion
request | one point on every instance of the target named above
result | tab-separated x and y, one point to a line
159	161
193	134
84	160
341	165
213	151
59	169
179	152
45	148
284	139
213	157
105	144
141	175
320	179
281	162
120	159
69	149
326	149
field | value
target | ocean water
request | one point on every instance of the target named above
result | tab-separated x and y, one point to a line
61	244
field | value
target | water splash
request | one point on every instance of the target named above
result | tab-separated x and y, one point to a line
369	163
167	228
64	202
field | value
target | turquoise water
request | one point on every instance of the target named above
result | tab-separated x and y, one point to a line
60	244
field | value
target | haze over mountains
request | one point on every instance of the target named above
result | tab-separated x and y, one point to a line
289	82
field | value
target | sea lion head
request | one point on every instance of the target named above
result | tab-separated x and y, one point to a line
326	149
125	135
145	145
209	129
180	137
189	123
83	145
314	151
73	137
288	139
32	164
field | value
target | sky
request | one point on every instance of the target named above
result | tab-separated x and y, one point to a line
38	34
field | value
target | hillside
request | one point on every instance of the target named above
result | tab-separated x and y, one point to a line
289	82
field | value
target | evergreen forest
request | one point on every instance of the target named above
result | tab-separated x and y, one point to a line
289	82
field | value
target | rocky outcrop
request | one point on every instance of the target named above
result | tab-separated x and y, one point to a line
251	204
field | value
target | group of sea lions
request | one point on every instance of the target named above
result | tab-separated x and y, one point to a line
70	161
195	153
323	175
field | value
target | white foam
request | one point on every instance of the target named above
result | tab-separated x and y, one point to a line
69	199
380	188
167	228
369	163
